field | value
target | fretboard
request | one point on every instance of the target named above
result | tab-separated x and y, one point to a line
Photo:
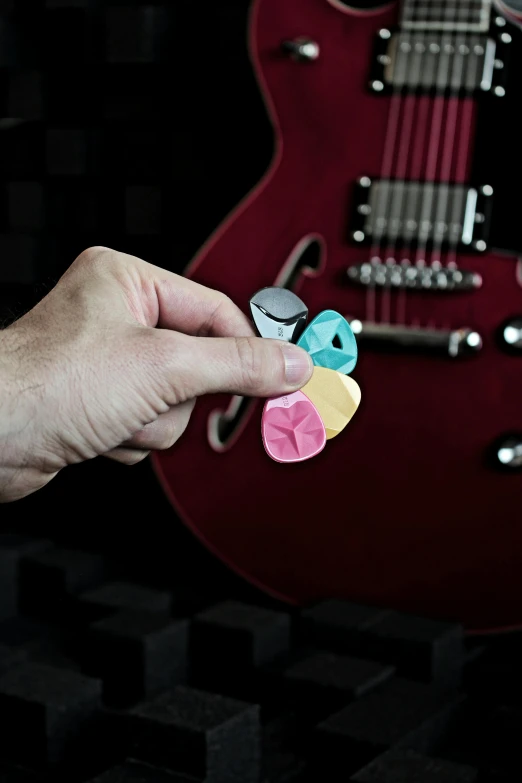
466	15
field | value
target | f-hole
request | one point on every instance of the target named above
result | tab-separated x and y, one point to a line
305	259
225	426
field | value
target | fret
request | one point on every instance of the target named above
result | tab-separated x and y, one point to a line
454	15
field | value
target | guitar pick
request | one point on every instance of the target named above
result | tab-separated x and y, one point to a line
292	429
278	313
320	338
336	397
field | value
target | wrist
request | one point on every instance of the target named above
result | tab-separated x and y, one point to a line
8	384
8	415
17	417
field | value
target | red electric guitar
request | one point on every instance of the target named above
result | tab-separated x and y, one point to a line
372	207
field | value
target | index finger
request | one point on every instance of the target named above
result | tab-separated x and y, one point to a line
189	307
194	309
166	300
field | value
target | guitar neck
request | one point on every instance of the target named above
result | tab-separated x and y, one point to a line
450	15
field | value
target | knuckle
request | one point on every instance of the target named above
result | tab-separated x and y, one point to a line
249	361
163	351
93	256
221	309
102	261
226	304
223	300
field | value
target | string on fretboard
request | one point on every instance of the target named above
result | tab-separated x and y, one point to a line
462	15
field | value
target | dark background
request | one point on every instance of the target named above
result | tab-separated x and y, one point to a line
140	141
139	127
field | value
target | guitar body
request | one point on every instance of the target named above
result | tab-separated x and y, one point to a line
403	509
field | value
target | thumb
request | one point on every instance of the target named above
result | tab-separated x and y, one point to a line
251	366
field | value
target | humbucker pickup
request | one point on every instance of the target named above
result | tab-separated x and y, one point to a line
426	61
421	213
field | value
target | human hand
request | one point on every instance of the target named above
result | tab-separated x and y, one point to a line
111	362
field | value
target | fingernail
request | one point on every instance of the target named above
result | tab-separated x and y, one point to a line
298	365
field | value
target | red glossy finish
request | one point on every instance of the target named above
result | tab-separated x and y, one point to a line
401	510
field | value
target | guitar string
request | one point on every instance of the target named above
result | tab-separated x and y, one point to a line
424	153
449	109
463	160
447	192
458	128
381	202
438	107
407	50
446	214
381	206
457	165
463	57
394	217
463	145
405	173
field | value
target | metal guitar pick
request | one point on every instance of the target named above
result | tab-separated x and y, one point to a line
330	342
335	396
292	429
278	313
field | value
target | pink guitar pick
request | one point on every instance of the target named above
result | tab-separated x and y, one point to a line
292	429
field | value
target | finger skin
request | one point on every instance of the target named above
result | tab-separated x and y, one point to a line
95	367
158	297
252	366
127	456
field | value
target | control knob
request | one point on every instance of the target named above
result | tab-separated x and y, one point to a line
510	334
507	452
302	49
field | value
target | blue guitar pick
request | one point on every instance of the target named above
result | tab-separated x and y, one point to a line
318	339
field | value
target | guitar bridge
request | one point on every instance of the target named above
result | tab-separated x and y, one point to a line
433	278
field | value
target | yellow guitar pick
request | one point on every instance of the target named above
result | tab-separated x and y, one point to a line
335	396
